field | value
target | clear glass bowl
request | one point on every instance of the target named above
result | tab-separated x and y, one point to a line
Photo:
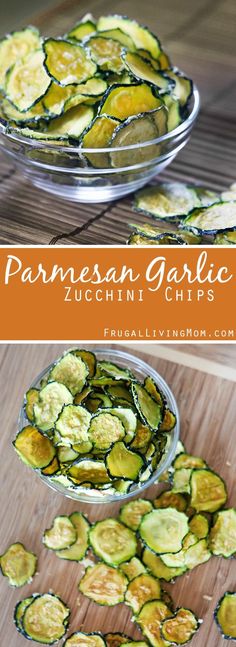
141	370
65	172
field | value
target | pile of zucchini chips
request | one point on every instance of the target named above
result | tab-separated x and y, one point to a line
106	83
195	211
128	560
94	427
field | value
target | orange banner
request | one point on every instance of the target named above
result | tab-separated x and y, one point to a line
121	293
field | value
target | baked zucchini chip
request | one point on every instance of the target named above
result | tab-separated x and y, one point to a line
31	397
20	118
225	238
149	410
132	568
105	429
167	201
141	589
213	219
137	129
156	566
83	28
104	584
120	36
106	53
181	480
208	491
19	612
52	468
123	463
170	500
141	36
16	46
150	619
174	112
183	88
113	542
143	70
169	420
188	461
88	470
181	628
18	565
45	619
61	535
199	525
27	81
33	448
67	63
142	437
81	639
116	639
132	512
225	615
73	424
197	554
77	551
115	371
163	530
87	356
222	539
71	371
52	398
123	101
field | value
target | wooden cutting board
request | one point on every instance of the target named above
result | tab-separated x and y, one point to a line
207	406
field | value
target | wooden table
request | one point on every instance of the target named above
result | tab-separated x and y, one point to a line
28	506
200	38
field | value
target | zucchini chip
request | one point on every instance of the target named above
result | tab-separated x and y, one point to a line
33	448
134	130
181	628
119	392
31	397
174	113
77	551
81	639
196	554
61	535
18	565
150	411
167	201
120	36
142	437
56	97
71	371
150	619
199	525
87	356
128	419
225	615
27	81
52	468
116	639
83	28
156	566
19	612
16	46
171	500
208	491
169	421
183	89
153	390
52	398
123	463
140	240
142	70
73	424
45	619
132	568
113	542
181	481
223	534
141	36
71	124
163	530
99	135
225	238
123	101
88	471
104	584
189	462
111	369
66	454
141	589
106	53
67	63
20	118
213	219
132	512
106	429
80	397
89	92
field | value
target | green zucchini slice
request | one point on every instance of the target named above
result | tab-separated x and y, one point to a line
77	551
52	468
80	397
99	135
142	70
167	201
31	397
61	535
213	219
88	471
45	619
18	565
171	500
142	437
163	530
116	639
156	566
225	238
19	612
120	36
177	560
73	424
174	113
183	88
83	28
66	454
119	392
225	615
71	124
104	584
105	429
67	63
128	419
123	101
141	36
132	512
20	118
113	542
208	491
150	619
223	534
56	97
196	554
81	639
206	196
89	93
137	129
154	391
181	481
106	53
33	448
132	568
27	81
141	589
87	356
140	240
189	462
169	421
199	525
123	463
71	371
16	46
181	628
115	371
52	398
150	411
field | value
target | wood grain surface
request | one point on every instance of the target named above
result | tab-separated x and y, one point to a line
200	38
207	409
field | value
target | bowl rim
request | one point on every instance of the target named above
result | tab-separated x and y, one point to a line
83	495
78	150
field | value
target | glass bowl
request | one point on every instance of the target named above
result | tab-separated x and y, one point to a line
65	171
141	370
